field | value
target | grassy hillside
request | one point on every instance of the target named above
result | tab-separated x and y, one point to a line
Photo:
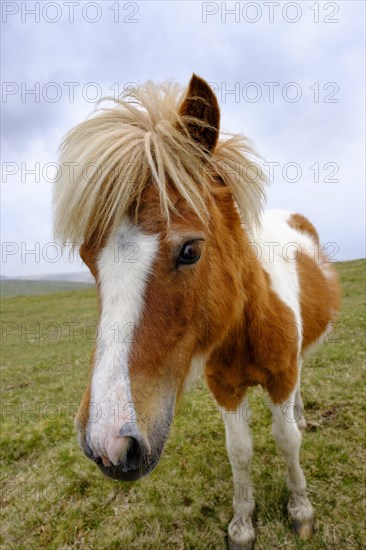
53	497
16	287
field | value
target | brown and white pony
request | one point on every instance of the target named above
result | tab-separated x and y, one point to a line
191	276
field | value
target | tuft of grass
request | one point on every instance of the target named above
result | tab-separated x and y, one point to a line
53	497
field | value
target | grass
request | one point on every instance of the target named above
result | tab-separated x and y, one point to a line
53	497
13	287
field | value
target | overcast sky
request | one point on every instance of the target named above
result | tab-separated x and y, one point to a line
289	75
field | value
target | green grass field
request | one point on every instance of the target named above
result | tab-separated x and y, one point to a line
53	497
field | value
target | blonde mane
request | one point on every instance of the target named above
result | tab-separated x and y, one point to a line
107	161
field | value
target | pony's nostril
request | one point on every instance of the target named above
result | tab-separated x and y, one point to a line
137	449
135	454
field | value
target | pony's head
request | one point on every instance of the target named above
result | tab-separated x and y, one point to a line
159	204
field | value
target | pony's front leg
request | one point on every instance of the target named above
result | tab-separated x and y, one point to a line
241	534
299	405
288	438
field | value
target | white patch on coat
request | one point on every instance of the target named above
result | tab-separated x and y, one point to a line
307	244
123	269
279	246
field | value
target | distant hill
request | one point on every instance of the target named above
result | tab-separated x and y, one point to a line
26	287
80	277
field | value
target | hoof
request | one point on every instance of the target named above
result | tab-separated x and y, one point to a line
234	546
304	529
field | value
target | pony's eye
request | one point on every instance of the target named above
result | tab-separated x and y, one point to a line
189	254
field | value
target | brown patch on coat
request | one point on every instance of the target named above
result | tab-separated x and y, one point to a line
302	224
319	298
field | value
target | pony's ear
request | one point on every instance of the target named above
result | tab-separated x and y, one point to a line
202	112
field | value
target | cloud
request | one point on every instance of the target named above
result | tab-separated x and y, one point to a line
246	63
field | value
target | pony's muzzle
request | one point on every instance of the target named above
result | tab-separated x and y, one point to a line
127	456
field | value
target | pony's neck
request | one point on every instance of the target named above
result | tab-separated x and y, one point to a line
252	279
245	357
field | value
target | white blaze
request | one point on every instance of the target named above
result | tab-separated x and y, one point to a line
123	269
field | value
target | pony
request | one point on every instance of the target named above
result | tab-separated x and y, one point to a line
192	276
